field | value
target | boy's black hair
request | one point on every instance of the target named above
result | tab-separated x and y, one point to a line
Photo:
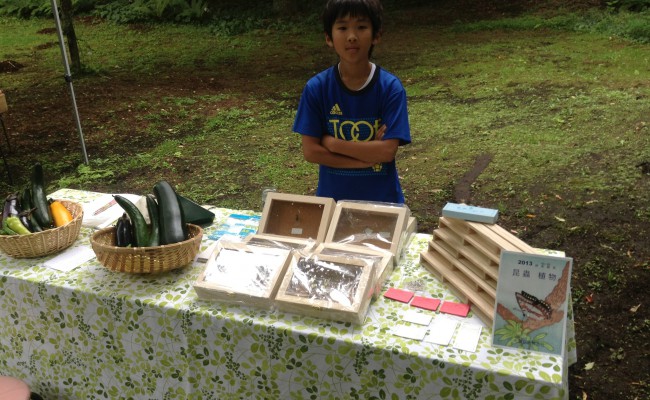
357	8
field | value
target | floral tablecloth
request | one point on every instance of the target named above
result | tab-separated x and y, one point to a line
96	334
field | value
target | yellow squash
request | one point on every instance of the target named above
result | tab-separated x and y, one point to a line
60	214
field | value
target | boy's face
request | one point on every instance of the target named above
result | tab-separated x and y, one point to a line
352	38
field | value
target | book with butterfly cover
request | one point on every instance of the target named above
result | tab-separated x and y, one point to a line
532	302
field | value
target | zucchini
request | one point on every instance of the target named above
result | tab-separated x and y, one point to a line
154	231
138	223
171	219
39	200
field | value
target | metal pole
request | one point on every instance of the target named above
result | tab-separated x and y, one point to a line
68	78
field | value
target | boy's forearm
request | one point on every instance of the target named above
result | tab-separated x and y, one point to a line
374	151
314	152
339	161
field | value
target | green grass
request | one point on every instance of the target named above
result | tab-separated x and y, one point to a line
544	96
631	25
542	102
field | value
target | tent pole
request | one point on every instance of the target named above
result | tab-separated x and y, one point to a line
68	78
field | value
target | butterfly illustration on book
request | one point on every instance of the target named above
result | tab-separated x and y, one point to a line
532	307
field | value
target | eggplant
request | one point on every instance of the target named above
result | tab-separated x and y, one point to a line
123	232
28	209
12	206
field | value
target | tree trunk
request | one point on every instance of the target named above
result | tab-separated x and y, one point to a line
68	30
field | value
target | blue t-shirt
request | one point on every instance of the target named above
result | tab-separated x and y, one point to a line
328	107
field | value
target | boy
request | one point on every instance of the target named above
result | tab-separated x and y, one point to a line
353	116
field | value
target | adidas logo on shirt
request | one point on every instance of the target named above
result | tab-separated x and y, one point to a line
336	110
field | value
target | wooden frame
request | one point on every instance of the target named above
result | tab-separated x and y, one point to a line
243	279
369	224
263	240
409	233
296	216
466	256
385	259
317	300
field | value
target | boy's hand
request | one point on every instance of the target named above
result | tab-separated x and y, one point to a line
380	133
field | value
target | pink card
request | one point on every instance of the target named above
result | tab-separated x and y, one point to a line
398	294
460	309
426	303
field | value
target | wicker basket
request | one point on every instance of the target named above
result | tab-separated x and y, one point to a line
145	260
47	242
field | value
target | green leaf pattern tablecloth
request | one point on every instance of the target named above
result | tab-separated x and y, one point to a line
96	334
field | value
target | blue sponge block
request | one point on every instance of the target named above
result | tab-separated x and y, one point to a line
470	213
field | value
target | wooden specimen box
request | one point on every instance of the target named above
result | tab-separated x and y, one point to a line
280	242
466	256
378	225
327	286
296	216
238	272
383	259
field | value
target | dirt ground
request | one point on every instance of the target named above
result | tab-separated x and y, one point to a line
611	249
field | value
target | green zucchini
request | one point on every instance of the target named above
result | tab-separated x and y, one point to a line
171	219
138	223
154	231
42	212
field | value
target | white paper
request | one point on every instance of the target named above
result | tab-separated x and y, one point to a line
441	331
416	332
70	258
467	337
417	317
103	212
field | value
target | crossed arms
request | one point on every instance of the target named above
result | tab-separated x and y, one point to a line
340	153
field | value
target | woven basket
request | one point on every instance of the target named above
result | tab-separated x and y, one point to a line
47	242
145	260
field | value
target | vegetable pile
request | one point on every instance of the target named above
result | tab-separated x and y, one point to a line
167	221
31	211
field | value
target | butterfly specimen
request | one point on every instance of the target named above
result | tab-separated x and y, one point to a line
532	307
